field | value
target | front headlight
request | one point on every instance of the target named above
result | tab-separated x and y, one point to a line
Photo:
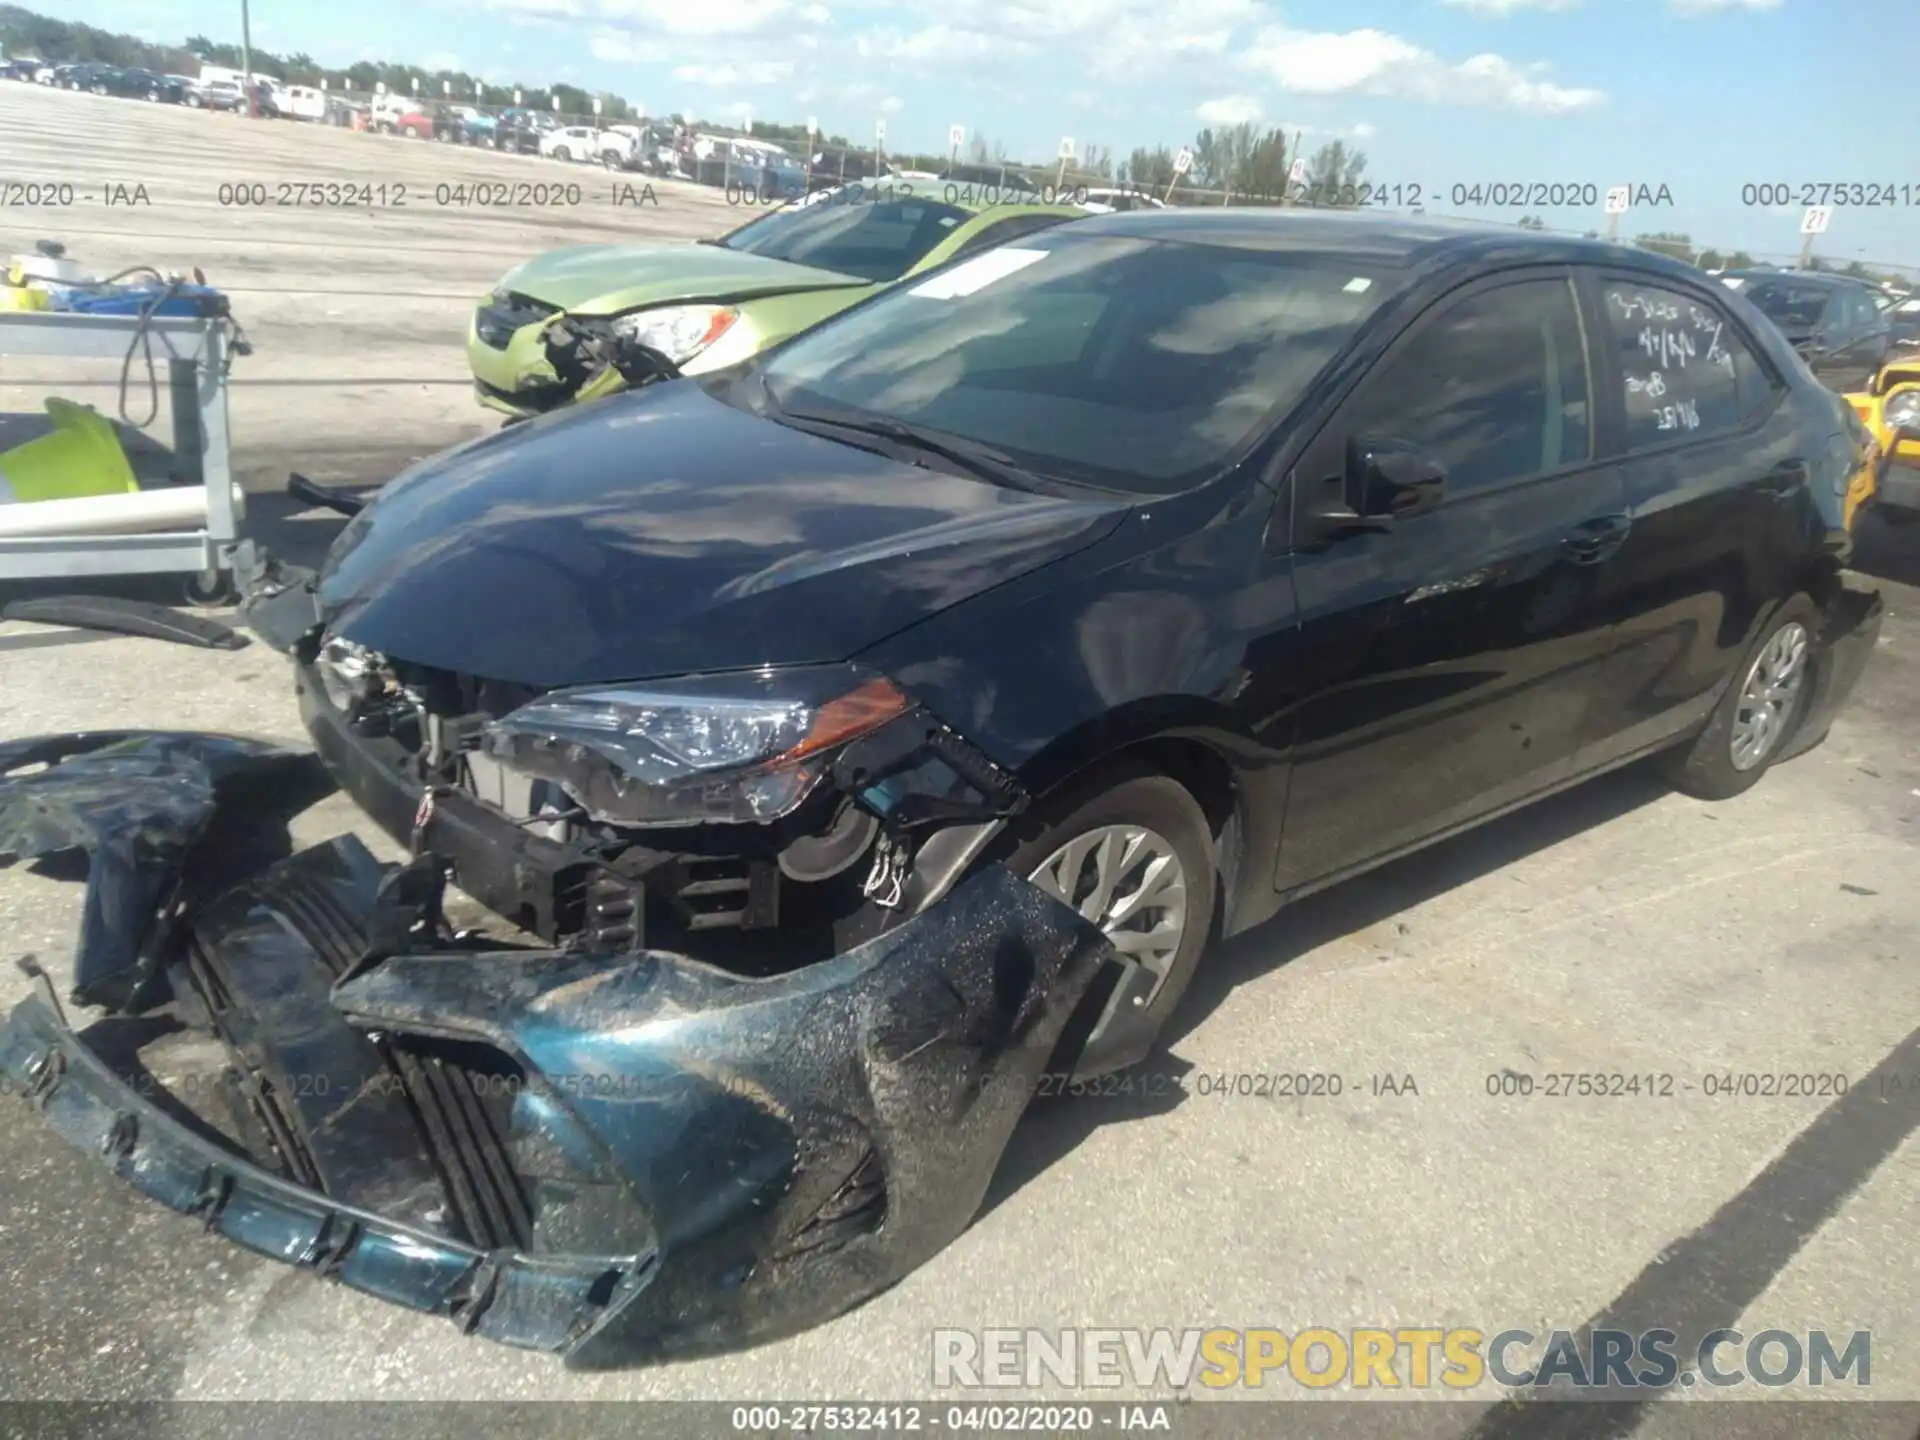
349	673
1902	410
737	748
678	332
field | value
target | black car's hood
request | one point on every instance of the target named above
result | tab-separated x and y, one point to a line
663	532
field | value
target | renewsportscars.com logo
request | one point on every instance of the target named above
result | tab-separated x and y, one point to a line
1396	1359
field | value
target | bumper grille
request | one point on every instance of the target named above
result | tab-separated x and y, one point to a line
497	321
461	1094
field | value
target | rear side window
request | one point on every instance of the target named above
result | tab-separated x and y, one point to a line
1684	371
1495	388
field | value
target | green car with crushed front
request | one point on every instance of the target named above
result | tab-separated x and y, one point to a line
591	320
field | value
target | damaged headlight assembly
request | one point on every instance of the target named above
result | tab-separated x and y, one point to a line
728	749
678	332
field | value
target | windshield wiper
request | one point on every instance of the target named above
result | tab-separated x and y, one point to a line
980	460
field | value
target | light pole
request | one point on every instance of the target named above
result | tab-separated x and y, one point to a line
246	54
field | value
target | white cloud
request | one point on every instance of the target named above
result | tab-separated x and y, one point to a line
934	44
725	77
892	105
1372	62
1364	131
537	8
620	49
1228	110
1709	7
441	60
710	17
1508	7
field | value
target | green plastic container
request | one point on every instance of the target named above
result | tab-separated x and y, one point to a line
79	458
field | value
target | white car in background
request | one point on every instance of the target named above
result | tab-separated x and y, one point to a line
1108	201
572	142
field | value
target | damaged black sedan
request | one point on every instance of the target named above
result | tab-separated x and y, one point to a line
859	734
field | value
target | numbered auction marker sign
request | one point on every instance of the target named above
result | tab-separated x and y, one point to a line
1816	220
1183	162
1617	200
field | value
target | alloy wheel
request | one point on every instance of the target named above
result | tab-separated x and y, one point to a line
1767	698
1128	880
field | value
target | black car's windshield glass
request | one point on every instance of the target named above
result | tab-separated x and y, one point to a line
1129	364
1791	307
876	241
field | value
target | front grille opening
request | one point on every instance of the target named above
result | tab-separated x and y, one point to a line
248	1105
463	1094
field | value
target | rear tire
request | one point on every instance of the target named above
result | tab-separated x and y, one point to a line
1134	810
1757	716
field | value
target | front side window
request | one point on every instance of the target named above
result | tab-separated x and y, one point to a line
1495	388
878	241
1684	370
1133	365
1798	309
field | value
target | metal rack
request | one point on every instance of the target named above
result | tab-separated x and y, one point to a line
193	350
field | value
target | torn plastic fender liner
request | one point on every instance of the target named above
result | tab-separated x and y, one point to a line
136	802
1854	613
797	1143
118	616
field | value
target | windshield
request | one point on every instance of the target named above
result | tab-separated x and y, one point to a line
1791	307
876	241
1129	364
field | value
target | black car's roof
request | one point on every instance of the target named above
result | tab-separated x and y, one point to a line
1815	279
1412	242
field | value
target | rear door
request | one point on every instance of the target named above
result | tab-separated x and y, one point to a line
1448	663
1712	463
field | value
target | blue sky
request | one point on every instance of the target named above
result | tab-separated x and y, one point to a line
1699	95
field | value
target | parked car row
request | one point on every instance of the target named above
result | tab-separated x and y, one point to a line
101	79
206	92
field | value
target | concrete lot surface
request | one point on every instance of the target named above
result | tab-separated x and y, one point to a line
1617	929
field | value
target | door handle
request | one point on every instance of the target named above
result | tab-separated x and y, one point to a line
1597	538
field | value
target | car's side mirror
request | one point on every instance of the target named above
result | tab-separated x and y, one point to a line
1389	480
1380	483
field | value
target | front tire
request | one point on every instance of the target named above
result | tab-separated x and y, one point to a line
1133	854
1755	719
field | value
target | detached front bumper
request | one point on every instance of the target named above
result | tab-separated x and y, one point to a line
618	1156
534	1302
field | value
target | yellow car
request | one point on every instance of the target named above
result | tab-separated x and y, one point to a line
1890	409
